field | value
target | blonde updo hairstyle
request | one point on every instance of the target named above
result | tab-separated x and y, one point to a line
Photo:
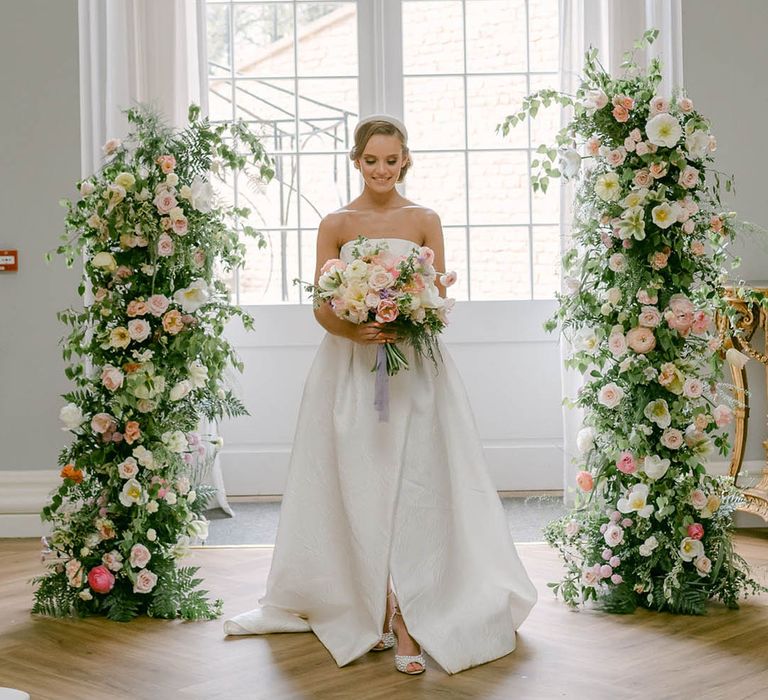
371	128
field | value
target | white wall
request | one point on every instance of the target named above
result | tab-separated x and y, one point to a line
40	161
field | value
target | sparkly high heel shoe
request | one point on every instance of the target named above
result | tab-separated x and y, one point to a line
402	661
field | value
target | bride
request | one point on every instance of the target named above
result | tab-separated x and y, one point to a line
390	533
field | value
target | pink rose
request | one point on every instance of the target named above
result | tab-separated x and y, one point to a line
659	260
701	321
723	415
642	178
689	226
627	243
103	423
697	248
180	226
139	556
645	298
629	144
636	135
693	388
145	581
616	157
606	571
695	531
138	329
620	114
616	579
658	170
158	304
626	463
427	255
113	560
380	279
658	105
128	468
101	579
111	146
680	313
642	148
585	481
164	201
672	439
172	322
650	317
165	245
333	263
716	224
641	340
614	561
593	146
112	377
617	344
689	177
386	312
698	499
685	105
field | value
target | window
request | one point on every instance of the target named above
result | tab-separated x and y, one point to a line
295	70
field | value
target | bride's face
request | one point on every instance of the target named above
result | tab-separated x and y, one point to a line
381	162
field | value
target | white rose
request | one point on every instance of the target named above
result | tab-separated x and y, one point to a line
152	507
655	467
151	534
571	285
105	261
180	390
610	395
703	565
663	130
128	468
613	295
171	498
85	594
697	144
585	440
145	457
71	416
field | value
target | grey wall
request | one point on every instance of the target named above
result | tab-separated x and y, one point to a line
725	57
39	162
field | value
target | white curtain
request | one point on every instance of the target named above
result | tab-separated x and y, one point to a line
612	27
139	52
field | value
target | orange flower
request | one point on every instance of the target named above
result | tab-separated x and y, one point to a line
172	322
130	367
131	432
72	473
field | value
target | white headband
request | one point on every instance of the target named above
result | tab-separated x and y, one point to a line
394	121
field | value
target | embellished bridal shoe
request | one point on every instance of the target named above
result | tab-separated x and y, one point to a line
387	641
402	661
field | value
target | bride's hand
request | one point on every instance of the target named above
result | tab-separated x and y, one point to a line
371	333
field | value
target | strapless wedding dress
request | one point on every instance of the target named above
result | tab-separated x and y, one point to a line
411	497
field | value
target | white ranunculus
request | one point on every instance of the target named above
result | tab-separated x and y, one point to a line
586	341
570	162
198	374
655	467
71	416
357	270
608	187
180	390
585	440
175	441
690	549
193	297
697	144
663	130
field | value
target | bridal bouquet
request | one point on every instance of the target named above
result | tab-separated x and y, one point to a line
398	290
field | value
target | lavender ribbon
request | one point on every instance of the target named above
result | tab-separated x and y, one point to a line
381	398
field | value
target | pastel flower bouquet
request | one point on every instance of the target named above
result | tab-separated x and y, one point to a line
651	527
396	290
147	356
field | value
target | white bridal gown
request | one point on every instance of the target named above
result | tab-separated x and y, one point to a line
411	497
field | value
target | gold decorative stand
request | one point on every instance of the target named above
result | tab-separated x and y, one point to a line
738	333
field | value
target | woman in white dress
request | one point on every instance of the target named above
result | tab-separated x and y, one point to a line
390	533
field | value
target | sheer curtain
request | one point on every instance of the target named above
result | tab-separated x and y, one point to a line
139	51
612	27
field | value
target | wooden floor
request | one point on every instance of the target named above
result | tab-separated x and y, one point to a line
561	654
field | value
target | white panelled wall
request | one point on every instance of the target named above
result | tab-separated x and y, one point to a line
509	364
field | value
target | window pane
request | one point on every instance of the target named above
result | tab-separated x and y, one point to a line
438	181
546	261
434	112
547	122
274	205
500	263
433	37
217	42
220	105
456	259
267	275
326	183
498	188
544	34
490	98
327	34
496	36
264	39
327	113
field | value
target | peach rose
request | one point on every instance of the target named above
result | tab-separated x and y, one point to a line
679	315
139	329
689	226
642	178
198	257
132	432
616	157
139	556
689	177
164	201
136	308
172	322
386	312
645	298
128	468
659	260
642	148
165	245
641	340
180	226
620	114
672	439
103	423
332	264
716	224
658	170
658	105
111	146
650	317
685	105
167	163
697	248
623	101
112	378
593	146
585	481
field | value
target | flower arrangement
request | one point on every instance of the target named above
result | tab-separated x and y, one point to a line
146	354
650	526
398	290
